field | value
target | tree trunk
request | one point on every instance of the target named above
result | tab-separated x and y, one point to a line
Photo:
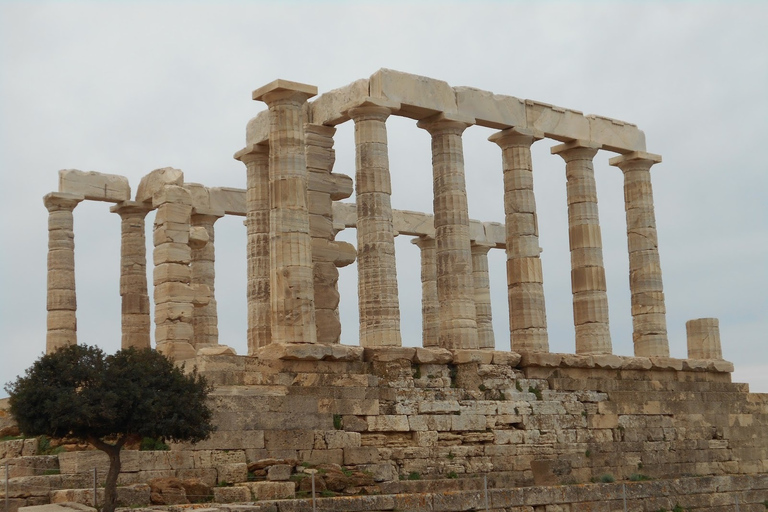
110	488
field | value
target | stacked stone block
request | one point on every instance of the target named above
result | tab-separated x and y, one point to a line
205	320
430	321
484	317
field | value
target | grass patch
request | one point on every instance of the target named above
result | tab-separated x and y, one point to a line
414	475
639	477
338	422
452	474
150	444
328	494
518	386
44	447
52	472
417	372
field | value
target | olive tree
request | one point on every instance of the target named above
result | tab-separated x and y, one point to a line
80	392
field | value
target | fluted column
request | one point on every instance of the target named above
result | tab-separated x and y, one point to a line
525	279
649	320
376	269
590	300
256	160
455	283
135	321
205	321
430	323
62	299
290	244
482	280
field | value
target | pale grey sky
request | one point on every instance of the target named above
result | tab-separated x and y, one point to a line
127	87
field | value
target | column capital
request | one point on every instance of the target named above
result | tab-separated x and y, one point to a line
423	241
284	90
576	150
446	122
516	136
481	247
373	108
252	152
130	208
635	158
207	214
61	201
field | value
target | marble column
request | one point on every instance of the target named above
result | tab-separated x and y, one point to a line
256	160
703	338
376	269
455	283
649	320
205	321
290	243
525	279
483	314
430	323
590	300
135	319
62	299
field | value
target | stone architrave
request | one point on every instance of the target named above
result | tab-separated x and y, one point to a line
256	160
590	300
290	243
376	268
483	296
430	323
203	258
525	280
135	320
455	283
62	300
649	320
703	338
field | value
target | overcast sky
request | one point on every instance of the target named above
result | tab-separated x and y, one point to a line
128	87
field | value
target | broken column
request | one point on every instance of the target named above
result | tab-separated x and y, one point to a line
205	320
703	338
590	300
290	243
455	284
327	254
376	269
525	288
482	296
430	323
62	299
135	320
256	160
648	309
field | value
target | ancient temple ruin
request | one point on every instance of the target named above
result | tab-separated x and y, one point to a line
455	404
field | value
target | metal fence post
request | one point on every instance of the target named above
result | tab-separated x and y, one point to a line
95	501
314	503
485	488
7	504
624	495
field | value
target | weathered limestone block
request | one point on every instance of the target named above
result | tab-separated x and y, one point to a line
332	107
155	181
236	494
95	186
418	96
558	123
491	110
615	135
704	338
231	201
202	267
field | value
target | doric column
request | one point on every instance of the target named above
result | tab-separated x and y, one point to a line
376	270
290	244
175	298
590	301
525	288
703	338
62	300
648	310
455	284
135	319
430	323
256	160
205	321
483	314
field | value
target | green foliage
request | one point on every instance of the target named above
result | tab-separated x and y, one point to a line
518	386
606	478
482	387
79	392
347	472
584	414
150	444
338	422
451	456
588	453
678	508
328	494
10	438
536	391
639	477
417	372
765	504
453	372
224	483
414	475
44	447
452	474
